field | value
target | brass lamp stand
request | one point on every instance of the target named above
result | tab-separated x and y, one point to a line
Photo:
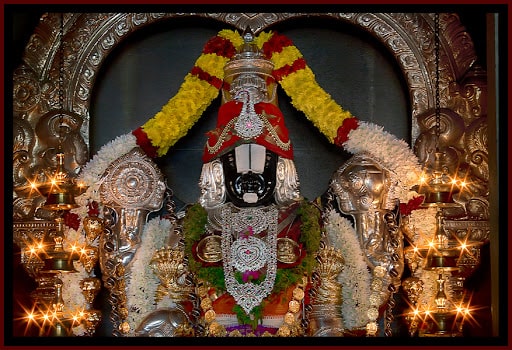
443	254
60	197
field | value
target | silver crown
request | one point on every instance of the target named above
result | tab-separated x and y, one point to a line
249	71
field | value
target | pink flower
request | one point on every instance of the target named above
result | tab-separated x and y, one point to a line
248	233
250	275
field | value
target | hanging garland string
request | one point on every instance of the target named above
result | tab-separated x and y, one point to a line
202	84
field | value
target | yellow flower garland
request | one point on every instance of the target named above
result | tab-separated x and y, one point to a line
318	106
195	95
305	93
179	114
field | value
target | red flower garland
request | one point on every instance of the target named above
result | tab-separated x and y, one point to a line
201	74
144	142
275	44
282	72
219	46
346	127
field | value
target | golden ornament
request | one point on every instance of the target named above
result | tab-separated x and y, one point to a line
294	306
298	294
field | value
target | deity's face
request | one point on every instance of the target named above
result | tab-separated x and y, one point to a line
360	186
250	175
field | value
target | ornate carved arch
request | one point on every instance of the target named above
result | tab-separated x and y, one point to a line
90	37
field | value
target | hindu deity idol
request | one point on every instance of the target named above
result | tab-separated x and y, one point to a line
257	262
257	259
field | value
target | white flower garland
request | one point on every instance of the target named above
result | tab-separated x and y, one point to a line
90	176
395	154
355	277
143	283
72	294
423	223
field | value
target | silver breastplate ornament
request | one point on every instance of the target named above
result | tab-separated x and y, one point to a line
249	245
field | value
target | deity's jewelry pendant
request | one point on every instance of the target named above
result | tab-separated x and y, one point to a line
248	123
